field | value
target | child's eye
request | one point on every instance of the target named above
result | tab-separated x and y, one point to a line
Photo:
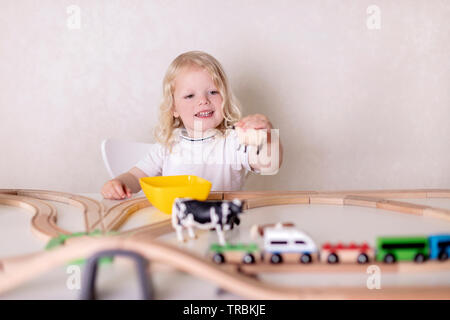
189	96
214	92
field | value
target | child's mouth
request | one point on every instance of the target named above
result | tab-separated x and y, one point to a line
204	114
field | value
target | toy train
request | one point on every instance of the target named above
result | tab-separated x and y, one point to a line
287	244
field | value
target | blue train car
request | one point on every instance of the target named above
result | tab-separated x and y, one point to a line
439	246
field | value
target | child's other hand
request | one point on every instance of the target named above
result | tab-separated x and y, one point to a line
116	190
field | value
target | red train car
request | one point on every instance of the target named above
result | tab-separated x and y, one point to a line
347	253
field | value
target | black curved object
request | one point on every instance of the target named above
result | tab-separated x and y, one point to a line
88	291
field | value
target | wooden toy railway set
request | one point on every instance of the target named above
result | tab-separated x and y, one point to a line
102	237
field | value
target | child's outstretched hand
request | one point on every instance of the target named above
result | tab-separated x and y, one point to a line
247	129
256	130
116	190
254	121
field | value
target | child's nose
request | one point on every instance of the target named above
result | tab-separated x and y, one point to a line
203	100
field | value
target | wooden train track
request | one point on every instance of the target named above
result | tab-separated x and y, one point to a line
17	271
321	267
44	224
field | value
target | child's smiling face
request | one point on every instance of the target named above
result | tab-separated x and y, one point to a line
197	99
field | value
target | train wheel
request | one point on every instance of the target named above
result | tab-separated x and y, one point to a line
276	258
443	255
305	258
333	258
248	259
218	258
419	258
363	258
389	258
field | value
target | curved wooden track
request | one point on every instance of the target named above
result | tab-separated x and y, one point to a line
142	240
92	210
44	217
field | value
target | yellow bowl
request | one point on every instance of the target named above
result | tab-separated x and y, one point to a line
161	191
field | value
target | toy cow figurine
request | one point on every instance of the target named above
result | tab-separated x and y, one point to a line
220	215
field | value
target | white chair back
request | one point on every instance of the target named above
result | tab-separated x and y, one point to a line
120	156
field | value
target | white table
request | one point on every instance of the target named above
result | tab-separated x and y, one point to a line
324	223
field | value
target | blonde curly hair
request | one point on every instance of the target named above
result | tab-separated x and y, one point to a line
230	105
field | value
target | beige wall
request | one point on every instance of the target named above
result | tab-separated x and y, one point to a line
356	107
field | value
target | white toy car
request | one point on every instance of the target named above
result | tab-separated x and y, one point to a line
288	244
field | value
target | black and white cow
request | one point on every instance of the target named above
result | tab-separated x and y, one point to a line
220	215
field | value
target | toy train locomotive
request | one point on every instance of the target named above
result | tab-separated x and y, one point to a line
287	244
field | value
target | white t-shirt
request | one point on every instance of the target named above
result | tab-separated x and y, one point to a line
215	158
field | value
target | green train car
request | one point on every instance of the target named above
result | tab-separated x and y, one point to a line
235	253
61	239
393	249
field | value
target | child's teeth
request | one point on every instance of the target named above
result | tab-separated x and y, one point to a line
203	114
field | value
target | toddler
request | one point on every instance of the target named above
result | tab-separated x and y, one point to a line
200	131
